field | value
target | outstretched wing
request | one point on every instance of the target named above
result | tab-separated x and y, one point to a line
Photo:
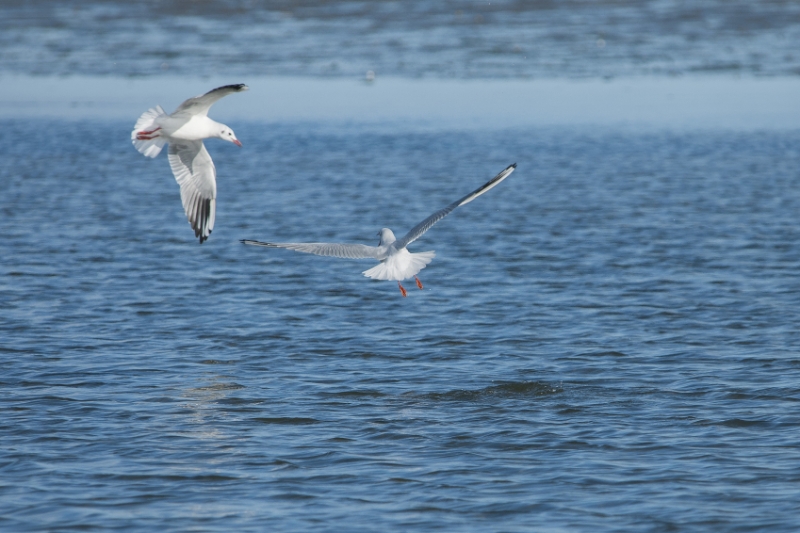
199	105
346	251
195	173
417	231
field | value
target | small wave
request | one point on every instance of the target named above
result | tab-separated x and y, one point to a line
367	393
511	389
741	423
291	421
606	353
217	387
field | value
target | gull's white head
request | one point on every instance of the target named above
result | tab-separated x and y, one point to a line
226	134
387	237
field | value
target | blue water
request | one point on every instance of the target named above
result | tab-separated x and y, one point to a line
408	38
607	341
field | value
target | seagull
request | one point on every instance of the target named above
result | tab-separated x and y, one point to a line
396	262
184	131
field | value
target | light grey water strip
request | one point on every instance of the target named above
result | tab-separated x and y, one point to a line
697	102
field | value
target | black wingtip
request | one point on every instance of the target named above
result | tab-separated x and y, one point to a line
238	87
513	165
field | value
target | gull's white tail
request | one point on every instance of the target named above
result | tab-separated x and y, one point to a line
147	123
398	270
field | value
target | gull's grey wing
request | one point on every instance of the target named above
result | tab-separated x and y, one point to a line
347	251
417	231
195	173
199	105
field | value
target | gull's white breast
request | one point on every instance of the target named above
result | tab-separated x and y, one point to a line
196	129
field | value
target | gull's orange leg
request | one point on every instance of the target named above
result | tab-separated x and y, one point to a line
402	290
419	283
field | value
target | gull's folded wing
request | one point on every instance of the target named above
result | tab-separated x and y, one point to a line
417	231
199	105
346	251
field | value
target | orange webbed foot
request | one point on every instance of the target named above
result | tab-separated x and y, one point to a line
402	290
419	283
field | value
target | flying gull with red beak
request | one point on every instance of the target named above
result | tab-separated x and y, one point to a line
396	262
184	131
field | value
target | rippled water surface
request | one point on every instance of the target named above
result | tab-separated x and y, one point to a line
607	341
451	39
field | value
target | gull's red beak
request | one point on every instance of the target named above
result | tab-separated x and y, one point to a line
238	143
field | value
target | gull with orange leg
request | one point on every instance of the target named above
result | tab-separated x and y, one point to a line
396	263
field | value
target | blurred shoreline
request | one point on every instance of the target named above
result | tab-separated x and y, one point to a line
510	39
